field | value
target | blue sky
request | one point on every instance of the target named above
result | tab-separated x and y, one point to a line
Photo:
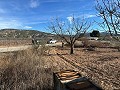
36	14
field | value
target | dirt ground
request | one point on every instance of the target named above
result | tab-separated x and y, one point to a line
101	66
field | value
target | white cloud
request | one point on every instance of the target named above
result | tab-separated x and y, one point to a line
70	19
10	24
27	27
37	22
82	16
89	15
34	3
14	24
2	10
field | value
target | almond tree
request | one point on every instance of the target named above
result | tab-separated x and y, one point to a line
69	31
109	11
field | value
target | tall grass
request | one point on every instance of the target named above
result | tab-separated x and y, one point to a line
25	70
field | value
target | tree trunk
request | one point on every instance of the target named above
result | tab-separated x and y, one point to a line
62	44
72	49
118	49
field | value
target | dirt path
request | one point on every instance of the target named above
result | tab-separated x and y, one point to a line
17	48
53	60
14	48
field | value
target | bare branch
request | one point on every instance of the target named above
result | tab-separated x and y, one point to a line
73	30
109	11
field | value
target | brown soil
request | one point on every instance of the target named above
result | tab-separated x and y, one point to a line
101	66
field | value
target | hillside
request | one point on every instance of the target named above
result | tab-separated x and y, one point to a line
22	34
29	34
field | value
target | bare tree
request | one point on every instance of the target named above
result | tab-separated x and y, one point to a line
109	11
69	31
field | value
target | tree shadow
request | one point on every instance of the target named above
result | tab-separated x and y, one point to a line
57	54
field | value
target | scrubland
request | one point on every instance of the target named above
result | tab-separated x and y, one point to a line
32	69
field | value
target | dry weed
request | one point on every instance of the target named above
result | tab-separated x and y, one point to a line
25	70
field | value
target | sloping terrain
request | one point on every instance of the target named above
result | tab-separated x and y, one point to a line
18	34
13	37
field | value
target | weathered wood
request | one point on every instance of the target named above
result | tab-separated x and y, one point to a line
72	80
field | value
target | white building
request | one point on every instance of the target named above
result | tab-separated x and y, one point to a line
93	38
51	41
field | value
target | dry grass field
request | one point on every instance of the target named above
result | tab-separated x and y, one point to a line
15	42
32	69
24	70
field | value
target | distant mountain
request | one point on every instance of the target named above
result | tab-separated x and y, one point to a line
29	34
23	34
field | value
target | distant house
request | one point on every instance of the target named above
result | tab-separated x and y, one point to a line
52	41
93	38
